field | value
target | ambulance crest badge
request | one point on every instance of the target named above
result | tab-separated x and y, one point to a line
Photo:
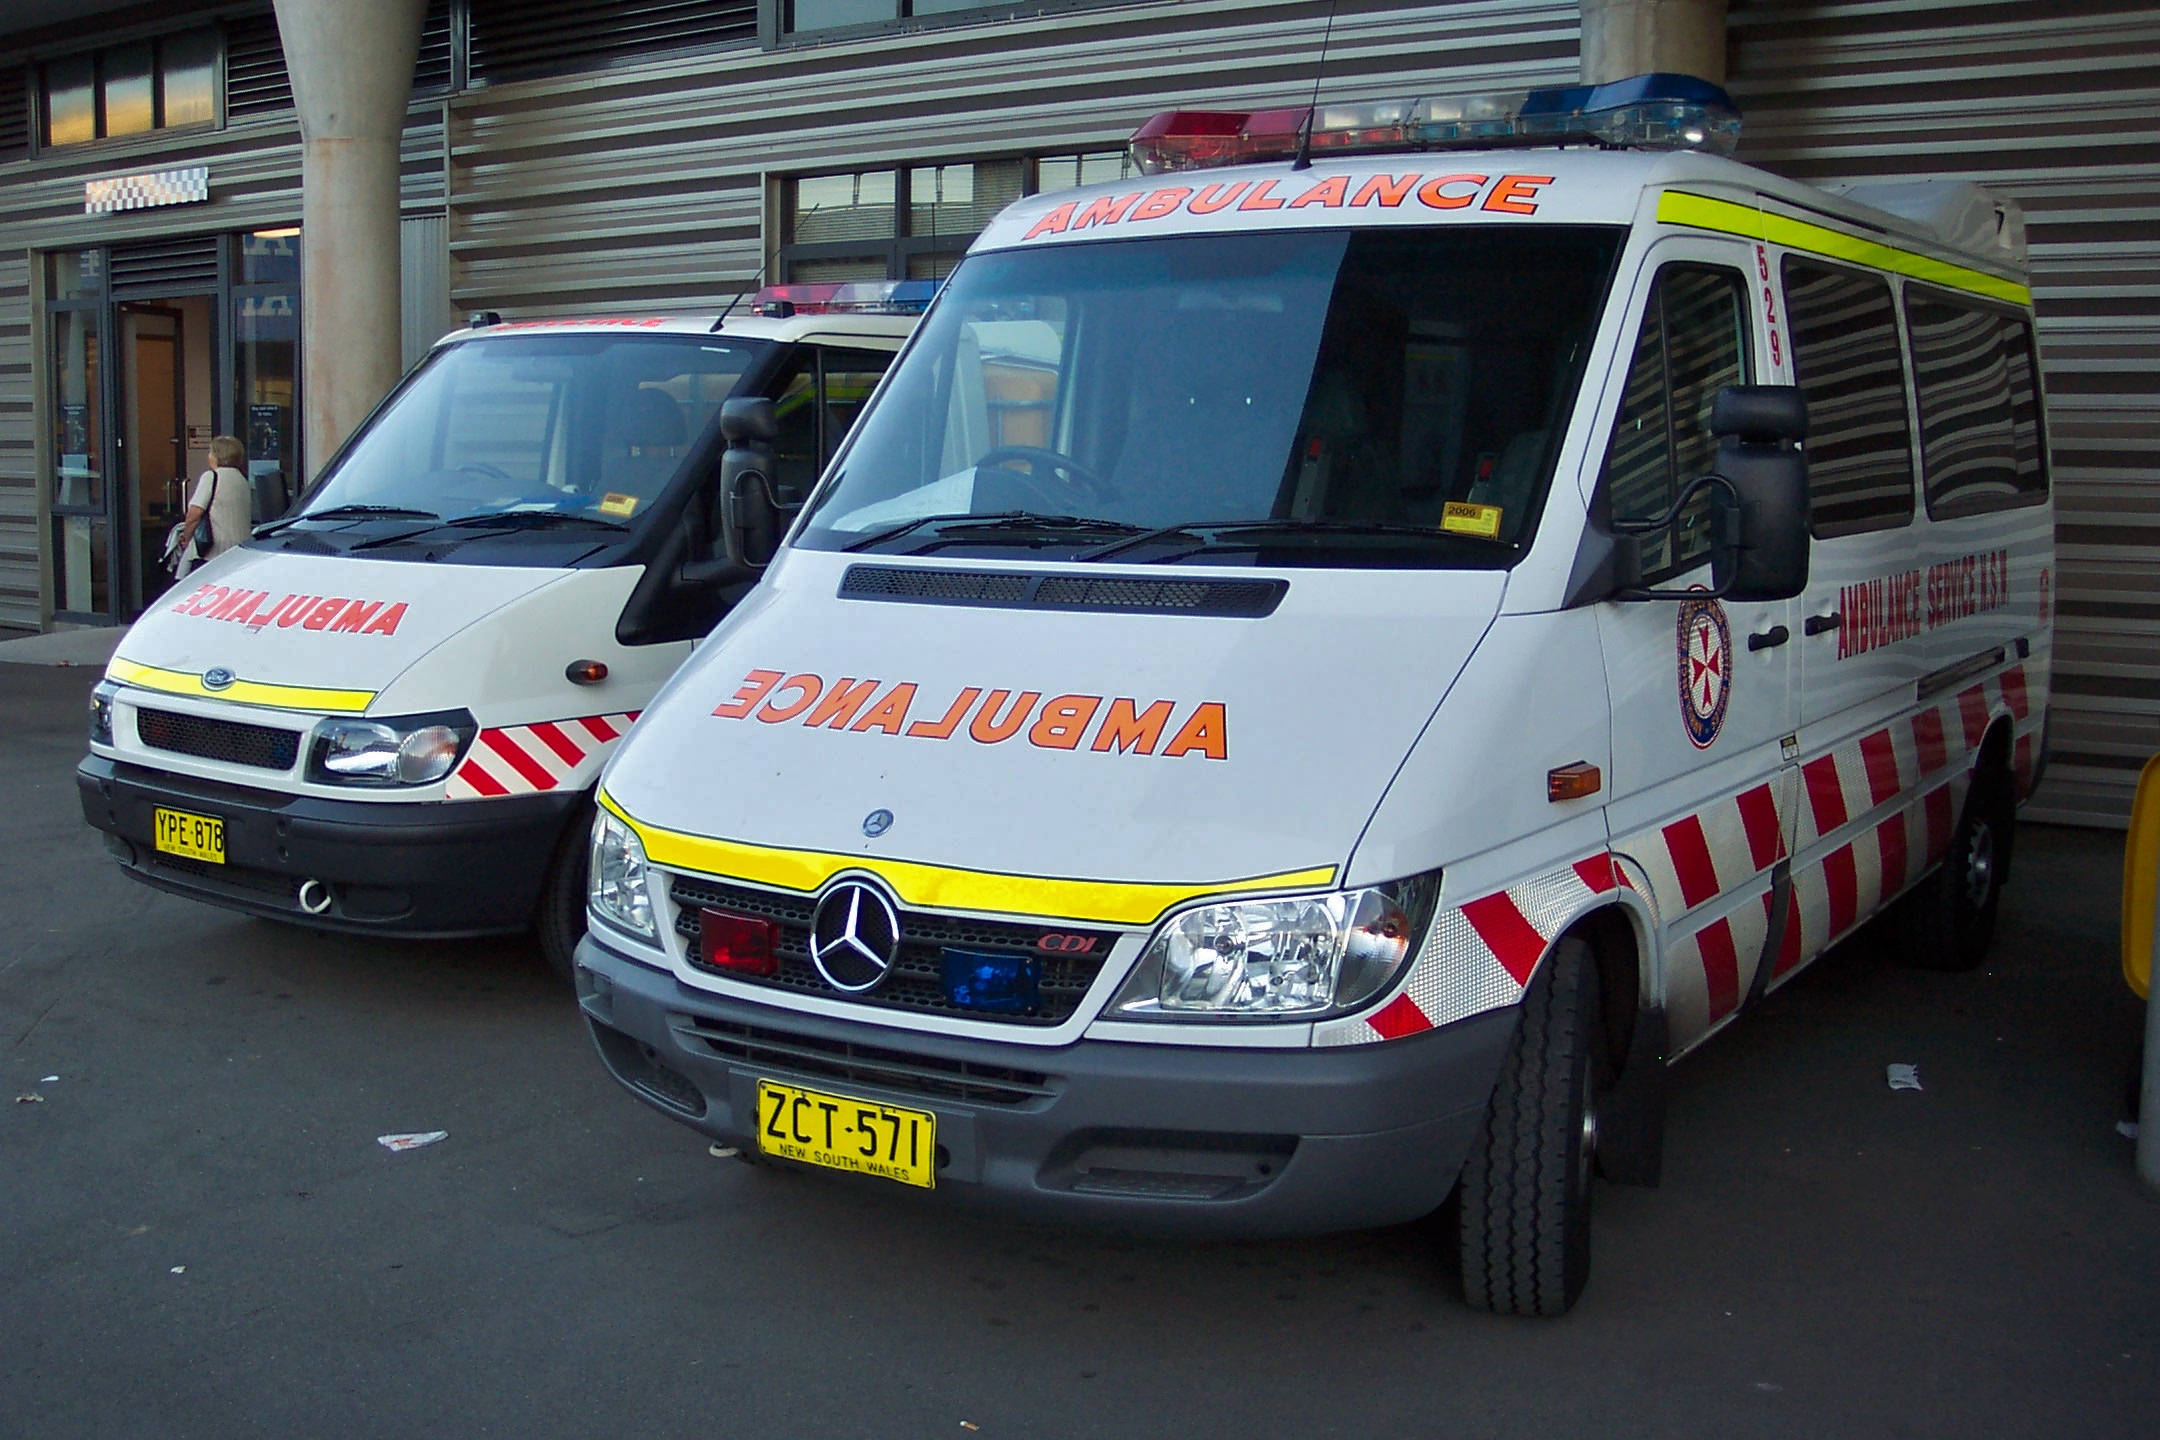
1705	644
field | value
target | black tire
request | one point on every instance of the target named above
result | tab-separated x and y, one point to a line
1947	922
559	923
1525	1190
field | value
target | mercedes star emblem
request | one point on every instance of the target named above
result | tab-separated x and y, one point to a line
217	679
876	823
854	937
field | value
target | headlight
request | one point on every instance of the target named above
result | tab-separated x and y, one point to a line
1300	957
411	750
101	712
615	881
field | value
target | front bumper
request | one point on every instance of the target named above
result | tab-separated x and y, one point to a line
1171	1139
416	869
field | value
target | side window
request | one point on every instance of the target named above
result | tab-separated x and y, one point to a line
849	377
1980	435
1693	343
795	448
1859	445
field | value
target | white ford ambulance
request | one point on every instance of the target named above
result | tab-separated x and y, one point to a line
1316	678
385	712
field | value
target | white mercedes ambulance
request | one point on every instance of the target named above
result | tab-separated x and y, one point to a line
1318	677
385	712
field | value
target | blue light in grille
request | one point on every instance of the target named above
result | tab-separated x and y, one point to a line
1002	984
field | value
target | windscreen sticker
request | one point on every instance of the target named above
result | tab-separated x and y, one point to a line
618	505
1889	608
335	613
1504	195
1462	518
1100	725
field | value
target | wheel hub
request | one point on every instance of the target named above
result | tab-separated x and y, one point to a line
1980	865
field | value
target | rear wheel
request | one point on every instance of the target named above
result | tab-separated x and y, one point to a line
1525	1190
560	921
1948	921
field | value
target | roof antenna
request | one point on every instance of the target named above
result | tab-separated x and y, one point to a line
737	299
1304	134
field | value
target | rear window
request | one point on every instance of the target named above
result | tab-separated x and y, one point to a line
1980	435
1859	445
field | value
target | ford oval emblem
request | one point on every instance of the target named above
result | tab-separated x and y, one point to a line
876	823
217	679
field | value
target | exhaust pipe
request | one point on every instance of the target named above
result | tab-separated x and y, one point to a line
315	897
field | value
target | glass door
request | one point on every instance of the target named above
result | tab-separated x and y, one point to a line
266	366
83	562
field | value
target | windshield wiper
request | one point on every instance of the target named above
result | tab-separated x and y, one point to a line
354	512
528	520
1211	534
967	522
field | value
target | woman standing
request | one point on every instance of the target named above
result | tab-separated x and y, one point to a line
225	496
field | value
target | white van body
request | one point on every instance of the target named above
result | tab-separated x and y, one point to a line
218	701
993	744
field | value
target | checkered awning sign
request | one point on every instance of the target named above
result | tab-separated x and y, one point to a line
141	192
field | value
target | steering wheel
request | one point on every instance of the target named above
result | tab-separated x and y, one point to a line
481	467
1040	461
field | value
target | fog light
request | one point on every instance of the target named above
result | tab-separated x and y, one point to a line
986	980
740	944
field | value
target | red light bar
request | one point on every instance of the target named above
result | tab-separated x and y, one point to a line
1202	139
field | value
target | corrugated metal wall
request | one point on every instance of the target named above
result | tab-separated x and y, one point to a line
18	451
2057	104
643	189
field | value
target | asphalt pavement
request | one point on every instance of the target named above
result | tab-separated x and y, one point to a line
200	1236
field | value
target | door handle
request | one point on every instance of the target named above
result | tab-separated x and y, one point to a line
1769	639
1819	624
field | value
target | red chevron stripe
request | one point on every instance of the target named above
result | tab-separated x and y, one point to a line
1721	968
1890	836
1597	872
1825	795
1399	1017
1841	877
564	747
1972	710
1513	940
2013	690
511	755
1690	852
1880	756
471	773
1765	837
1927	734
599	728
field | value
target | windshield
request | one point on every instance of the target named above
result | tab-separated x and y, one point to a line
585	426
1341	397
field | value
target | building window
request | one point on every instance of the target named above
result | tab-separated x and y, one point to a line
799	17
912	223
128	89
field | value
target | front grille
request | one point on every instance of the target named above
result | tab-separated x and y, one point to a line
917	979
263	746
932	1076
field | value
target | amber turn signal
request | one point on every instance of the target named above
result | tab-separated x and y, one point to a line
1573	782
585	672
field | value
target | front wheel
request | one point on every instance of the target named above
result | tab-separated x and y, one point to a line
1525	1190
560	922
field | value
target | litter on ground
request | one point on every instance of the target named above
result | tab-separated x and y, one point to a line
412	1140
2128	1129
30	1097
1904	1077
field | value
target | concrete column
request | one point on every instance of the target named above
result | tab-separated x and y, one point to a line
351	63
1633	37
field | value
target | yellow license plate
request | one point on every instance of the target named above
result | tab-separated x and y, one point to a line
841	1133
198	837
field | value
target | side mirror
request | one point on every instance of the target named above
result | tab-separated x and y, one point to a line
1759	430
743	520
1758	496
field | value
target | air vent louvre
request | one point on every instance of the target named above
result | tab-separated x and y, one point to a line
255	78
517	39
164	265
14	112
1005	589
